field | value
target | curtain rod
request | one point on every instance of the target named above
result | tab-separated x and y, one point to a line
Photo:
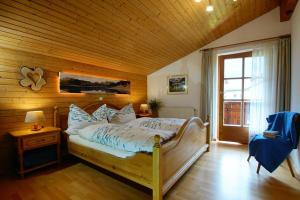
249	42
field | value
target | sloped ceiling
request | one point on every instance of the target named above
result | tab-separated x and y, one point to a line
138	36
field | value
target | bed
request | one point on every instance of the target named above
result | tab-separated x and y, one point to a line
158	170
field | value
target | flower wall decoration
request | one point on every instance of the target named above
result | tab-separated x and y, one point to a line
32	78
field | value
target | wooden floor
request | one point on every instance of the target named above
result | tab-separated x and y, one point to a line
220	174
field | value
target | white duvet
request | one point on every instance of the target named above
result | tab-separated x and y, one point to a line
166	124
135	136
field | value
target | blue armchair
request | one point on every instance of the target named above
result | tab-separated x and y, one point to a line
270	153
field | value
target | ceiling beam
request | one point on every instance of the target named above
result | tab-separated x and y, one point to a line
287	8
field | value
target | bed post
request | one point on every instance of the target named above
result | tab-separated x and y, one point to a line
208	133
55	116
157	169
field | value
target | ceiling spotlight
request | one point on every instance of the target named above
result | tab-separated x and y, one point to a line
209	8
197	1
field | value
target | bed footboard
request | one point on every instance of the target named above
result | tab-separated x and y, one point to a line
158	171
173	159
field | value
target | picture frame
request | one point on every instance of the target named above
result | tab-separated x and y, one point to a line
73	83
177	84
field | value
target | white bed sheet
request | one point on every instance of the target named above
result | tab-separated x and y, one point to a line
100	147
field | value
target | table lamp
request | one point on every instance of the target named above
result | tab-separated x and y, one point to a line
35	117
144	108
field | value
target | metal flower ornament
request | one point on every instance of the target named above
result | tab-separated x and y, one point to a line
32	78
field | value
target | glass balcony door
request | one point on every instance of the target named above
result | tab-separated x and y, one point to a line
234	84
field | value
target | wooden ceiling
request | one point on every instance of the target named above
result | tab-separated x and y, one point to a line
138	36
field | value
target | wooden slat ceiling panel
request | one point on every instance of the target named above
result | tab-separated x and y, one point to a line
138	36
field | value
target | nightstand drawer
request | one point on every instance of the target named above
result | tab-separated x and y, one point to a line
39	141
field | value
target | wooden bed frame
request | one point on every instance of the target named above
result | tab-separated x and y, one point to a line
158	171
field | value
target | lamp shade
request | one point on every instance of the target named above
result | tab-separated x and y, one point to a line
144	107
35	117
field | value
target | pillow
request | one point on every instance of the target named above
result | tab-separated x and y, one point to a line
126	114
110	112
101	114
78	119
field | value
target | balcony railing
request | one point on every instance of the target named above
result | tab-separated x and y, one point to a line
236	113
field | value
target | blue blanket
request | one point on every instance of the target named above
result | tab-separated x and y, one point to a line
270	153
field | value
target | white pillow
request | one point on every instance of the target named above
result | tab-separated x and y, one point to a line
101	114
126	114
78	119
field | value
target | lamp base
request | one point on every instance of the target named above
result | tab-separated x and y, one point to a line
36	127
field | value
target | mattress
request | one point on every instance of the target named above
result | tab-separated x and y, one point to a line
100	147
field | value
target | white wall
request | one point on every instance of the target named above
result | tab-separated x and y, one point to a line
157	82
295	104
265	26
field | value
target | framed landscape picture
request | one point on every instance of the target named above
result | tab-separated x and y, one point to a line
177	84
70	83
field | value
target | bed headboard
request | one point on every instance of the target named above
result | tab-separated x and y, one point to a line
61	119
177	112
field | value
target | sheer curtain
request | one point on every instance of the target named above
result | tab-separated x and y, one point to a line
263	90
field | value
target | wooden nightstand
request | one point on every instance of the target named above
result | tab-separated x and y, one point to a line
140	115
28	141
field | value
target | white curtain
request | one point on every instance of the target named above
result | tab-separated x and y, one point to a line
263	89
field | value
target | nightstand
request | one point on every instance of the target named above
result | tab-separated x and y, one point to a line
140	115
37	149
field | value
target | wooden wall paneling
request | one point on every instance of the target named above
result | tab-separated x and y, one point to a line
85	23
133	36
106	14
54	64
86	40
155	16
15	100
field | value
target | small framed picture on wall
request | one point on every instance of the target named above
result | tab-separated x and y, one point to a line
178	84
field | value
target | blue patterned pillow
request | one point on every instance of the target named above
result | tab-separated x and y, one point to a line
126	114
110	113
78	119
101	114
